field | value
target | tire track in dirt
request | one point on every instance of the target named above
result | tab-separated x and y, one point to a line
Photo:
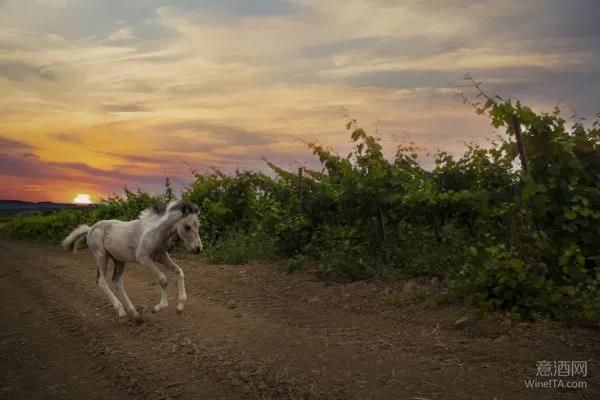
255	333
31	347
143	370
173	360
187	360
307	334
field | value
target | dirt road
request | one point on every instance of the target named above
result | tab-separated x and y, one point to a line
253	332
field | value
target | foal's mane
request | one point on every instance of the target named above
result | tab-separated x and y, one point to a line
161	209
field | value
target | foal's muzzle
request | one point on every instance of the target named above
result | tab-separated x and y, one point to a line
197	249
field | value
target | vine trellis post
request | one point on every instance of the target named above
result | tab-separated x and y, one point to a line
516	126
300	189
522	212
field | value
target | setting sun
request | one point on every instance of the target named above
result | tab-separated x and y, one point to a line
82	198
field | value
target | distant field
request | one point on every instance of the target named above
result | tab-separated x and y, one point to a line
12	207
4	218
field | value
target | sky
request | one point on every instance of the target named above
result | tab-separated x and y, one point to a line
97	95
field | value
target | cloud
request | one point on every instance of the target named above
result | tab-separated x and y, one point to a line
34	167
124	108
121	35
53	3
223	133
66	137
250	8
11	145
21	71
457	61
134	158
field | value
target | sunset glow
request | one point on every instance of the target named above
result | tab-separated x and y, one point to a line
82	199
106	94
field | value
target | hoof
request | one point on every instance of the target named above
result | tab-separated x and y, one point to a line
179	309
158	308
138	319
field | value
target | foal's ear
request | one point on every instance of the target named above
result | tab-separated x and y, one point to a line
187	209
159	209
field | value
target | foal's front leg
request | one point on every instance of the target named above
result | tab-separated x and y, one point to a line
162	279
168	262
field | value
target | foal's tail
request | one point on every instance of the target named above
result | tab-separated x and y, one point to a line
72	241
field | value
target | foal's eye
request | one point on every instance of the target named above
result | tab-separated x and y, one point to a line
187	227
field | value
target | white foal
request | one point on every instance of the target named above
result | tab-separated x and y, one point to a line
145	241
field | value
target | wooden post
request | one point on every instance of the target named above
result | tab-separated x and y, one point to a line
300	192
381	229
522	214
516	125
380	226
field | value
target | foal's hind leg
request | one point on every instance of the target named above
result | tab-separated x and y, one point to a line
118	280
102	261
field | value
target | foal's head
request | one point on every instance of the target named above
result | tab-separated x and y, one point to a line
187	227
